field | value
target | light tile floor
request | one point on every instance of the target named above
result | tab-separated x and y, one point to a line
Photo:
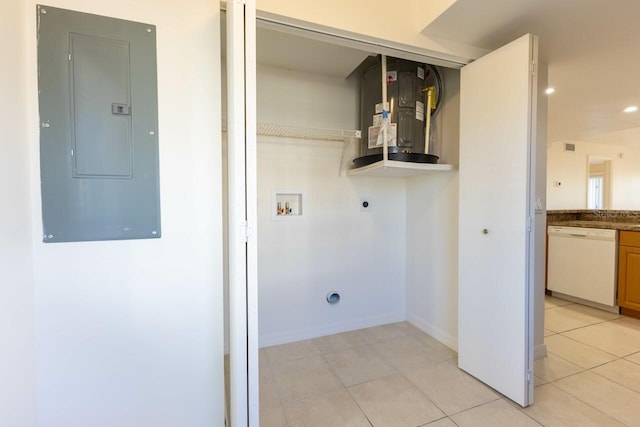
395	375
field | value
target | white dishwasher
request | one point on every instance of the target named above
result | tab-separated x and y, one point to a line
582	263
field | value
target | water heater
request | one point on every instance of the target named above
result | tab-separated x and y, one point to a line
408	86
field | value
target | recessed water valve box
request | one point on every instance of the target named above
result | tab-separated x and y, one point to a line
287	204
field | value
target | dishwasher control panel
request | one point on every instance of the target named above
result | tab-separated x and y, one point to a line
602	233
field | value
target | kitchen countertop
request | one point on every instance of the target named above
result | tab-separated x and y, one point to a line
624	226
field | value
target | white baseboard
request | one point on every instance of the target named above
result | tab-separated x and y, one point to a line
445	338
328	329
540	351
437	333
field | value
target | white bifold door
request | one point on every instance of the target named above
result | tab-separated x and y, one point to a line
496	221
242	189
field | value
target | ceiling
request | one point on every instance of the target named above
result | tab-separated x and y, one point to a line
304	54
592	48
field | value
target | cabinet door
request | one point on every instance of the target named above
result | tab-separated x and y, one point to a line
495	320
629	277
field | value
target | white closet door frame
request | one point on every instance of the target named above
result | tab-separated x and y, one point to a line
242	186
241	70
243	301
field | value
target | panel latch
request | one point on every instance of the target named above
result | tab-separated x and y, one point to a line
120	109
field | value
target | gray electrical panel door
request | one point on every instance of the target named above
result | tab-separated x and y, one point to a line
98	127
101	136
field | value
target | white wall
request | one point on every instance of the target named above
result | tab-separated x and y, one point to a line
334	245
566	177
17	356
129	333
625	194
432	237
570	168
429	11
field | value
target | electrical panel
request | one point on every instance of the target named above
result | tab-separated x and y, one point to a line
97	85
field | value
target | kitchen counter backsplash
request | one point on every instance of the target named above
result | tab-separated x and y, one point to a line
562	217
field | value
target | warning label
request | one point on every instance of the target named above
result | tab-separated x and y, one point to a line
379	107
376	140
419	111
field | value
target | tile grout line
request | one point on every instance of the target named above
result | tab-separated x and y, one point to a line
615	382
398	372
521	409
583	326
632	354
590	405
475	406
360	407
439	419
364	414
592	369
553	383
583	368
583	343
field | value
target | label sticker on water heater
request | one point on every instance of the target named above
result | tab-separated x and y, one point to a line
421	73
420	111
392	76
379	107
377	142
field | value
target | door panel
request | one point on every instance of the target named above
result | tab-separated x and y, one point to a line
495	321
243	301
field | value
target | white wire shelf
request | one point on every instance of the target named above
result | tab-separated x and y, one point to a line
286	131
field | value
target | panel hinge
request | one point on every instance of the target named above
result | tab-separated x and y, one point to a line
530	224
70	57
246	231
529	376
533	68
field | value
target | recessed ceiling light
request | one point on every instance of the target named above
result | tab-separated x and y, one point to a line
631	109
549	90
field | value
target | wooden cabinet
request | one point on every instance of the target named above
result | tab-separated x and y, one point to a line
629	271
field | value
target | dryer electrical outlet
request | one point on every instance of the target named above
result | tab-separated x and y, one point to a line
366	204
